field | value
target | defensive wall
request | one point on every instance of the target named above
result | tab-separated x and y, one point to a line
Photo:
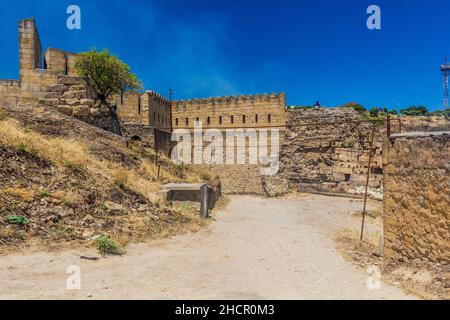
416	197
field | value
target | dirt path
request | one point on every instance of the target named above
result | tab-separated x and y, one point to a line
256	249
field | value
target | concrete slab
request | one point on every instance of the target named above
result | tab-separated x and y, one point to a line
183	186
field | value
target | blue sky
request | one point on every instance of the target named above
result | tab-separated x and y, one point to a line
312	50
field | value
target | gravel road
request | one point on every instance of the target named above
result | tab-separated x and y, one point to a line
255	249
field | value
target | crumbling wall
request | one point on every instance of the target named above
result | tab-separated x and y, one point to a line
417	197
139	133
327	149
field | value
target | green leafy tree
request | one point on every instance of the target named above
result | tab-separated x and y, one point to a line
374	112
415	111
445	113
393	112
106	73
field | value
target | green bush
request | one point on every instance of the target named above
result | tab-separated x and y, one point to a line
22	147
44	193
374	112
16	219
106	246
355	106
178	169
63	231
67	202
415	111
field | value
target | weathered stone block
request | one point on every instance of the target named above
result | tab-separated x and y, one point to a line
73	102
51	102
70	80
81	111
64	109
87	102
52	95
77	87
57	88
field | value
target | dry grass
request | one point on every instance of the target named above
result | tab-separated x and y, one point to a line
65	153
24	194
425	281
75	155
362	253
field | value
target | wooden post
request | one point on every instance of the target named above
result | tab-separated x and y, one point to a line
204	201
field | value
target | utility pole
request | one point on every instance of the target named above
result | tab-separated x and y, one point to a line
170	109
445	70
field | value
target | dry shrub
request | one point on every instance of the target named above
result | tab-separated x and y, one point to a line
69	153
2	113
24	194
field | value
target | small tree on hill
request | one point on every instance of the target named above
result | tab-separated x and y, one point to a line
415	111
356	106
105	73
374	112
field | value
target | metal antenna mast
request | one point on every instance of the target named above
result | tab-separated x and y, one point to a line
445	70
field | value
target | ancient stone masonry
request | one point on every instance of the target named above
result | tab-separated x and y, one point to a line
417	197
249	112
327	149
60	61
143	113
52	81
54	85
257	111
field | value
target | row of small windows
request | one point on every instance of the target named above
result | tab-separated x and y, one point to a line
160	119
220	120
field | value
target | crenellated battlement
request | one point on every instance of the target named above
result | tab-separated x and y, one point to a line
233	101
265	110
157	98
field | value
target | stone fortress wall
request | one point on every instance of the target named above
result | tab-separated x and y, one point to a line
417	197
249	113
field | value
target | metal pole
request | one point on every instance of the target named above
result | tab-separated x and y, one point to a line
388	130
159	170
367	183
156	146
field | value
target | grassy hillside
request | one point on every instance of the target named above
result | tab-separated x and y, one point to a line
63	181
